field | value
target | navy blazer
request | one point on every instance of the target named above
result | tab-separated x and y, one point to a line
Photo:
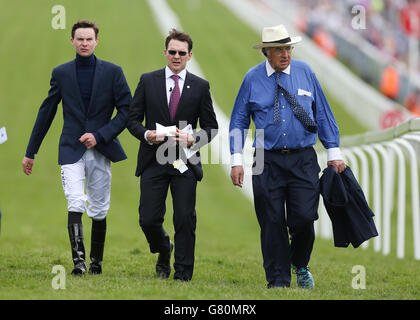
150	102
109	91
351	217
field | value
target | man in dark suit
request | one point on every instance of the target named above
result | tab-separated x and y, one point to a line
89	89
171	96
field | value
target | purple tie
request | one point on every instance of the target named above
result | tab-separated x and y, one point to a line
175	95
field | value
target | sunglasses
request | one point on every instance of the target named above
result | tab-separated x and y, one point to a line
181	53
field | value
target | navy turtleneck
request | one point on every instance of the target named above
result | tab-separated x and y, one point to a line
85	70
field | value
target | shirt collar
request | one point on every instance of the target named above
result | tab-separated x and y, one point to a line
169	73
270	69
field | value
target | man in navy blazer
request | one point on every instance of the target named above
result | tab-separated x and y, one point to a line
90	89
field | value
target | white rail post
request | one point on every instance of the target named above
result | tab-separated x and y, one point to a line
401	199
386	197
414	191
352	162
376	195
364	179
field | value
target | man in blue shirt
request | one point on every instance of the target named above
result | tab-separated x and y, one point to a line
286	102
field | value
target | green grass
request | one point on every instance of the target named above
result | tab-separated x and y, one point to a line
228	257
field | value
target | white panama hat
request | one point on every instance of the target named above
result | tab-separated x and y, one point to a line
276	36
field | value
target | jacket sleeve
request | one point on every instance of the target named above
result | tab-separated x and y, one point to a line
45	117
207	119
137	111
122	99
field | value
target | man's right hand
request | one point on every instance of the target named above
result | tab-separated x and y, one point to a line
154	138
27	165
237	175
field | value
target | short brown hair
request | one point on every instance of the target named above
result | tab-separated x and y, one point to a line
180	36
84	24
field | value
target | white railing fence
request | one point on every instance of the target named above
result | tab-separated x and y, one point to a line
376	159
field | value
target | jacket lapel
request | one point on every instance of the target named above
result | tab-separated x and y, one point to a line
162	102
96	81
73	76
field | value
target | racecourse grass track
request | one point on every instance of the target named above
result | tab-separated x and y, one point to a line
228	257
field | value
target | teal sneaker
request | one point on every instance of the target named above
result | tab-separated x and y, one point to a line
304	277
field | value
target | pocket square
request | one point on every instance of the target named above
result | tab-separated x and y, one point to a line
302	92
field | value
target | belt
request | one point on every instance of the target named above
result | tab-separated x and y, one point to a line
285	151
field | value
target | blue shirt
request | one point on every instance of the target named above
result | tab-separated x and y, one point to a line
256	99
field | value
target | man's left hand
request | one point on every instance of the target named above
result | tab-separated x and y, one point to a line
339	165
88	139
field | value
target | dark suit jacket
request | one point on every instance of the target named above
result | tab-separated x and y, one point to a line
109	91
351	217
150	102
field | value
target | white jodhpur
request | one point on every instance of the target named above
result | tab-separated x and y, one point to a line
94	171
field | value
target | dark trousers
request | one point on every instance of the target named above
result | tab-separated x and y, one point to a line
154	184
286	197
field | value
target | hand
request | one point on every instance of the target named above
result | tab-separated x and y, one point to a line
154	138
184	139
88	139
27	165
339	165
237	175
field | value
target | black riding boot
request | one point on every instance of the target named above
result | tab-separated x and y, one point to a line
97	246
77	248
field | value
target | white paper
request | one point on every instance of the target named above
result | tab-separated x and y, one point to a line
167	131
3	135
302	92
179	164
188	151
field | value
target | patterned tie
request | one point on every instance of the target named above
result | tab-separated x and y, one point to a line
297	109
175	95
277	104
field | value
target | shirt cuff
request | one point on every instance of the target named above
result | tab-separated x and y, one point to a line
334	154
236	159
145	137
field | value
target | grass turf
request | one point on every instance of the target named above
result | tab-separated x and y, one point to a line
228	258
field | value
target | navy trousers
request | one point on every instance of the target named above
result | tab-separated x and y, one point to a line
286	198
154	184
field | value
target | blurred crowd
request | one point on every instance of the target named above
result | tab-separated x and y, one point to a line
383	27
385	24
